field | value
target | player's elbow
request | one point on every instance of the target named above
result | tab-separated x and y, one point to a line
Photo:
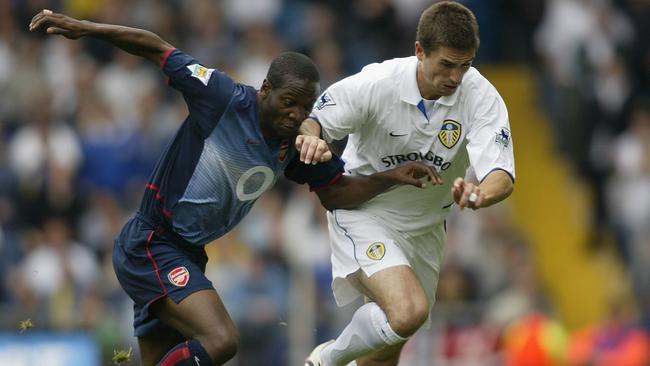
335	199
510	187
328	198
329	207
329	203
498	193
506	190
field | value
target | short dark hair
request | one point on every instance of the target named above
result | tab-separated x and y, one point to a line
291	64
448	24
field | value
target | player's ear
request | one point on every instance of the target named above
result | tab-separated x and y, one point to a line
419	51
266	88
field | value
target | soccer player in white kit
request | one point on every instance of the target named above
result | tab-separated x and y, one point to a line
433	107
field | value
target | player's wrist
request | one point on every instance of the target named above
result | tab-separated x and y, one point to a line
309	127
384	179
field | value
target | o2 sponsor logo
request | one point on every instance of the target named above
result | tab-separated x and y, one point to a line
268	178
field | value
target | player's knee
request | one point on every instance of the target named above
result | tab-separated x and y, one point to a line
221	344
408	316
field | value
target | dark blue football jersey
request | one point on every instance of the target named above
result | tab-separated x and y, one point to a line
219	163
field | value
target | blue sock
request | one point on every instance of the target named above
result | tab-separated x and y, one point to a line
188	353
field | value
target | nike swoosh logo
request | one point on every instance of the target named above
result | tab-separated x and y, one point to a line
397	135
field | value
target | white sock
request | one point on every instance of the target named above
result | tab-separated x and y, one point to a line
368	331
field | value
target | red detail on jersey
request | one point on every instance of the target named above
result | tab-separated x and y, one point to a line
167	213
284	149
160	198
152	187
332	181
179	276
165	57
153	262
155	189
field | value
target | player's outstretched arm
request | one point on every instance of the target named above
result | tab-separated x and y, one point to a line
138	42
496	187
351	191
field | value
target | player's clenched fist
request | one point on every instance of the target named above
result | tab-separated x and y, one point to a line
55	23
312	149
467	194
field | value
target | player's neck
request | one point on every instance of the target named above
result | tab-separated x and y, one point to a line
267	132
426	91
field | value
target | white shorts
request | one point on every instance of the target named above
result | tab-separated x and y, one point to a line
359	240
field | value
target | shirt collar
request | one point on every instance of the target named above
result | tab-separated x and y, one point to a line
410	93
450	100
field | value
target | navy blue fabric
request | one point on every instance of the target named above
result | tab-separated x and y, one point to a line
142	263
197	355
317	176
206	104
204	183
219	162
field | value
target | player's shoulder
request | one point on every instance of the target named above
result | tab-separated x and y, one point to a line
477	90
388	69
475	85
380	80
243	96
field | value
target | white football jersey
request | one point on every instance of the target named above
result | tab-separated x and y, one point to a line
389	124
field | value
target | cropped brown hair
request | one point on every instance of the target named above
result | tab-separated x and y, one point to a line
448	24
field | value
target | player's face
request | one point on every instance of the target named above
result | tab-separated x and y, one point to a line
441	71
282	110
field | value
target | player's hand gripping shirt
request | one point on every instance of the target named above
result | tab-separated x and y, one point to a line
219	162
389	124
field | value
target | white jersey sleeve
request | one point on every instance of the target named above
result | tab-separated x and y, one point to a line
342	108
489	140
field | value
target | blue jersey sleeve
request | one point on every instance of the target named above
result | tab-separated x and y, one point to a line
317	176
207	92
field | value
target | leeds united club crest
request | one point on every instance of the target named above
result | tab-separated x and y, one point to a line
449	133
376	251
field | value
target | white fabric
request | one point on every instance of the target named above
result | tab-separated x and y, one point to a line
368	331
378	109
352	233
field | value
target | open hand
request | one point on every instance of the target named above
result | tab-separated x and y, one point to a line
312	149
412	172
55	23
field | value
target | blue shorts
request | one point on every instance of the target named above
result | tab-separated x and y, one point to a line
150	266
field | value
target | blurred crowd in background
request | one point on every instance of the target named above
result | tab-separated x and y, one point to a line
81	126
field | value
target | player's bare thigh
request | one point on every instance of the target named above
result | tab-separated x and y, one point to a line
399	293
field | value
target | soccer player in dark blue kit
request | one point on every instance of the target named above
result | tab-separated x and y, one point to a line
232	147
